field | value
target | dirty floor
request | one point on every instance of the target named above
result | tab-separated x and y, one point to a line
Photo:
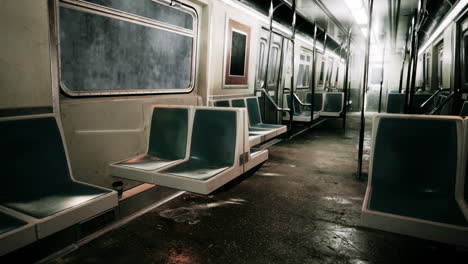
301	206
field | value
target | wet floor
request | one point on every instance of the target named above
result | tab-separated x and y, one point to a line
301	206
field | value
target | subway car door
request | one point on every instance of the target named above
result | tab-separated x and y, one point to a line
269	113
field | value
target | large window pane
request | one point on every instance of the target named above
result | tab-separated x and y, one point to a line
100	53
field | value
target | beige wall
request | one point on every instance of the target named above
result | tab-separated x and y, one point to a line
220	12
24	55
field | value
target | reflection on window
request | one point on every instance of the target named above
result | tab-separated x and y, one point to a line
261	63
427	66
337	74
329	72
322	70
238	51
103	51
273	65
465	41
440	63
303	75
376	75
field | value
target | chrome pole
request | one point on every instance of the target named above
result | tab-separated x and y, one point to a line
346	79
364	89
291	100
312	79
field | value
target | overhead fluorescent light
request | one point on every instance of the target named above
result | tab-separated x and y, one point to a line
358	11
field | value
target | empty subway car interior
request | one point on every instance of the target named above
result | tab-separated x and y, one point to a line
234	131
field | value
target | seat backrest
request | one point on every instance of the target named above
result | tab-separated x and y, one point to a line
395	103
296	106
466	158
416	155
238	103
33	158
318	100
333	102
464	109
254	111
221	103
214	136
168	133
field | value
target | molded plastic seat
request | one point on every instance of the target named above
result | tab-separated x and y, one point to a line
39	182
318	101
255	137
412	181
299	115
255	121
213	145
332	104
464	109
14	233
395	103
217	143
167	144
218	152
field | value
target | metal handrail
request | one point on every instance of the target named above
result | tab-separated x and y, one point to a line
449	97
438	91
281	109
299	100
439	107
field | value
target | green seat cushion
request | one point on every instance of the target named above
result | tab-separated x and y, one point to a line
146	162
8	223
43	205
196	169
168	134
223	103
317	101
422	205
296	106
412	174
259	129
395	103
253	111
238	103
36	178
213	144
333	102
268	126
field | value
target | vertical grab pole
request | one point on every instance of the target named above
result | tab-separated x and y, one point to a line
270	36
324	57
420	18
291	101
312	79
400	87
346	81
410	63
364	88
381	79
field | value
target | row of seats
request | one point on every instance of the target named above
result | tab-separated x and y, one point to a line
417	177
259	132
326	104
39	196
396	102
196	149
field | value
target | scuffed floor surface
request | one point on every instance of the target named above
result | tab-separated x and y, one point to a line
302	206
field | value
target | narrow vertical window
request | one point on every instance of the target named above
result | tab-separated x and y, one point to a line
237	54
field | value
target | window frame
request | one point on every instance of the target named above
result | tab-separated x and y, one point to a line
306	73
440	64
92	8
